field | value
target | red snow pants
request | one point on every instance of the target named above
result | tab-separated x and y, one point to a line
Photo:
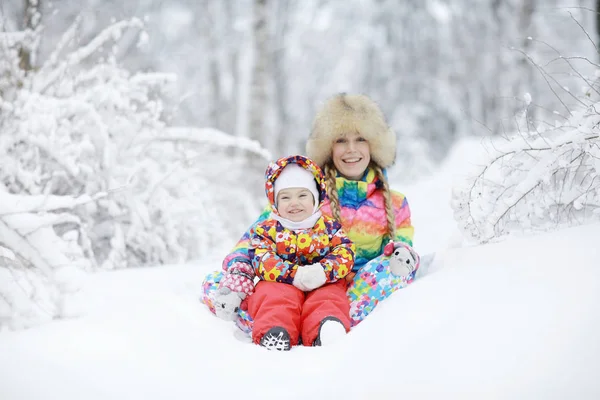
300	313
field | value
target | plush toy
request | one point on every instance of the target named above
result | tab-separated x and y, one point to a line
403	259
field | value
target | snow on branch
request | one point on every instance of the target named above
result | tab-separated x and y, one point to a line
214	137
17	204
38	269
535	181
92	177
113	32
67	38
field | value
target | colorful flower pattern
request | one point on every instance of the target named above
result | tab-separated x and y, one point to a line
277	252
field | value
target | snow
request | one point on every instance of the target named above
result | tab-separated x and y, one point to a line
440	11
514	319
16	204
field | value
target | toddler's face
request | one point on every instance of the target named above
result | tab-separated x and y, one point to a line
295	204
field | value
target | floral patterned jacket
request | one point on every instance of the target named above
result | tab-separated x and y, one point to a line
276	252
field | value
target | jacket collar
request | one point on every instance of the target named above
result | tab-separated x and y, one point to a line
353	193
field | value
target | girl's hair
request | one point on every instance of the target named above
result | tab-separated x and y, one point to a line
334	201
387	197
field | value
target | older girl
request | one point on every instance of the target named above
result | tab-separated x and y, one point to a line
354	145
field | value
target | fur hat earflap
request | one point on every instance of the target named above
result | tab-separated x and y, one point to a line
347	113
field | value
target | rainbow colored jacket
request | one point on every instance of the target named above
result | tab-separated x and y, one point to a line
363	220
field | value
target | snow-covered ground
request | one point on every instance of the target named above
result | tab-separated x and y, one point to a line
518	319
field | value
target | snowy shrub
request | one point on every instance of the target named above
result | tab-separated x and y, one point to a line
92	176
545	175
534	181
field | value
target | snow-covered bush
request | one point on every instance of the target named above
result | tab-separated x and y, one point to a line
92	176
535	180
544	175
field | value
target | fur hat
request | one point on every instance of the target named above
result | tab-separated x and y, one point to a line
346	113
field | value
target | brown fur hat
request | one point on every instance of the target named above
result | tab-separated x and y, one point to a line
345	113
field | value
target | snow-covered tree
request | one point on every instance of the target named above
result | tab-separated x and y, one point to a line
92	176
440	69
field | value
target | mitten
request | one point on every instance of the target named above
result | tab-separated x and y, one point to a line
239	278
404	260
227	303
310	277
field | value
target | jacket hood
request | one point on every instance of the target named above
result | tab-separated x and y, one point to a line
274	170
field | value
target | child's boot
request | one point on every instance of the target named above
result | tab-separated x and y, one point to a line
331	330
276	338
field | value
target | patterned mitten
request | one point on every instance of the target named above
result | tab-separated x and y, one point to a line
239	278
237	283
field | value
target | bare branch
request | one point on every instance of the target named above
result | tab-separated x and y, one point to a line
544	76
584	31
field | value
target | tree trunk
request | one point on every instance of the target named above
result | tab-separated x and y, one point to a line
212	31
280	94
526	29
598	19
30	22
259	92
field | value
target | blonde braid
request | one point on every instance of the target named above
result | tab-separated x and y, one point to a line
389	207
332	193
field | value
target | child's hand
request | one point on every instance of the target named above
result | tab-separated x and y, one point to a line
227	303
310	277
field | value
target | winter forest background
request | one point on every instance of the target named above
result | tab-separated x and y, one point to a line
137	132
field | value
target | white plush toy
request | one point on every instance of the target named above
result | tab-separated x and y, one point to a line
403	259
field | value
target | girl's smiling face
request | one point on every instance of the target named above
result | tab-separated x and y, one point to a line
351	155
295	204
